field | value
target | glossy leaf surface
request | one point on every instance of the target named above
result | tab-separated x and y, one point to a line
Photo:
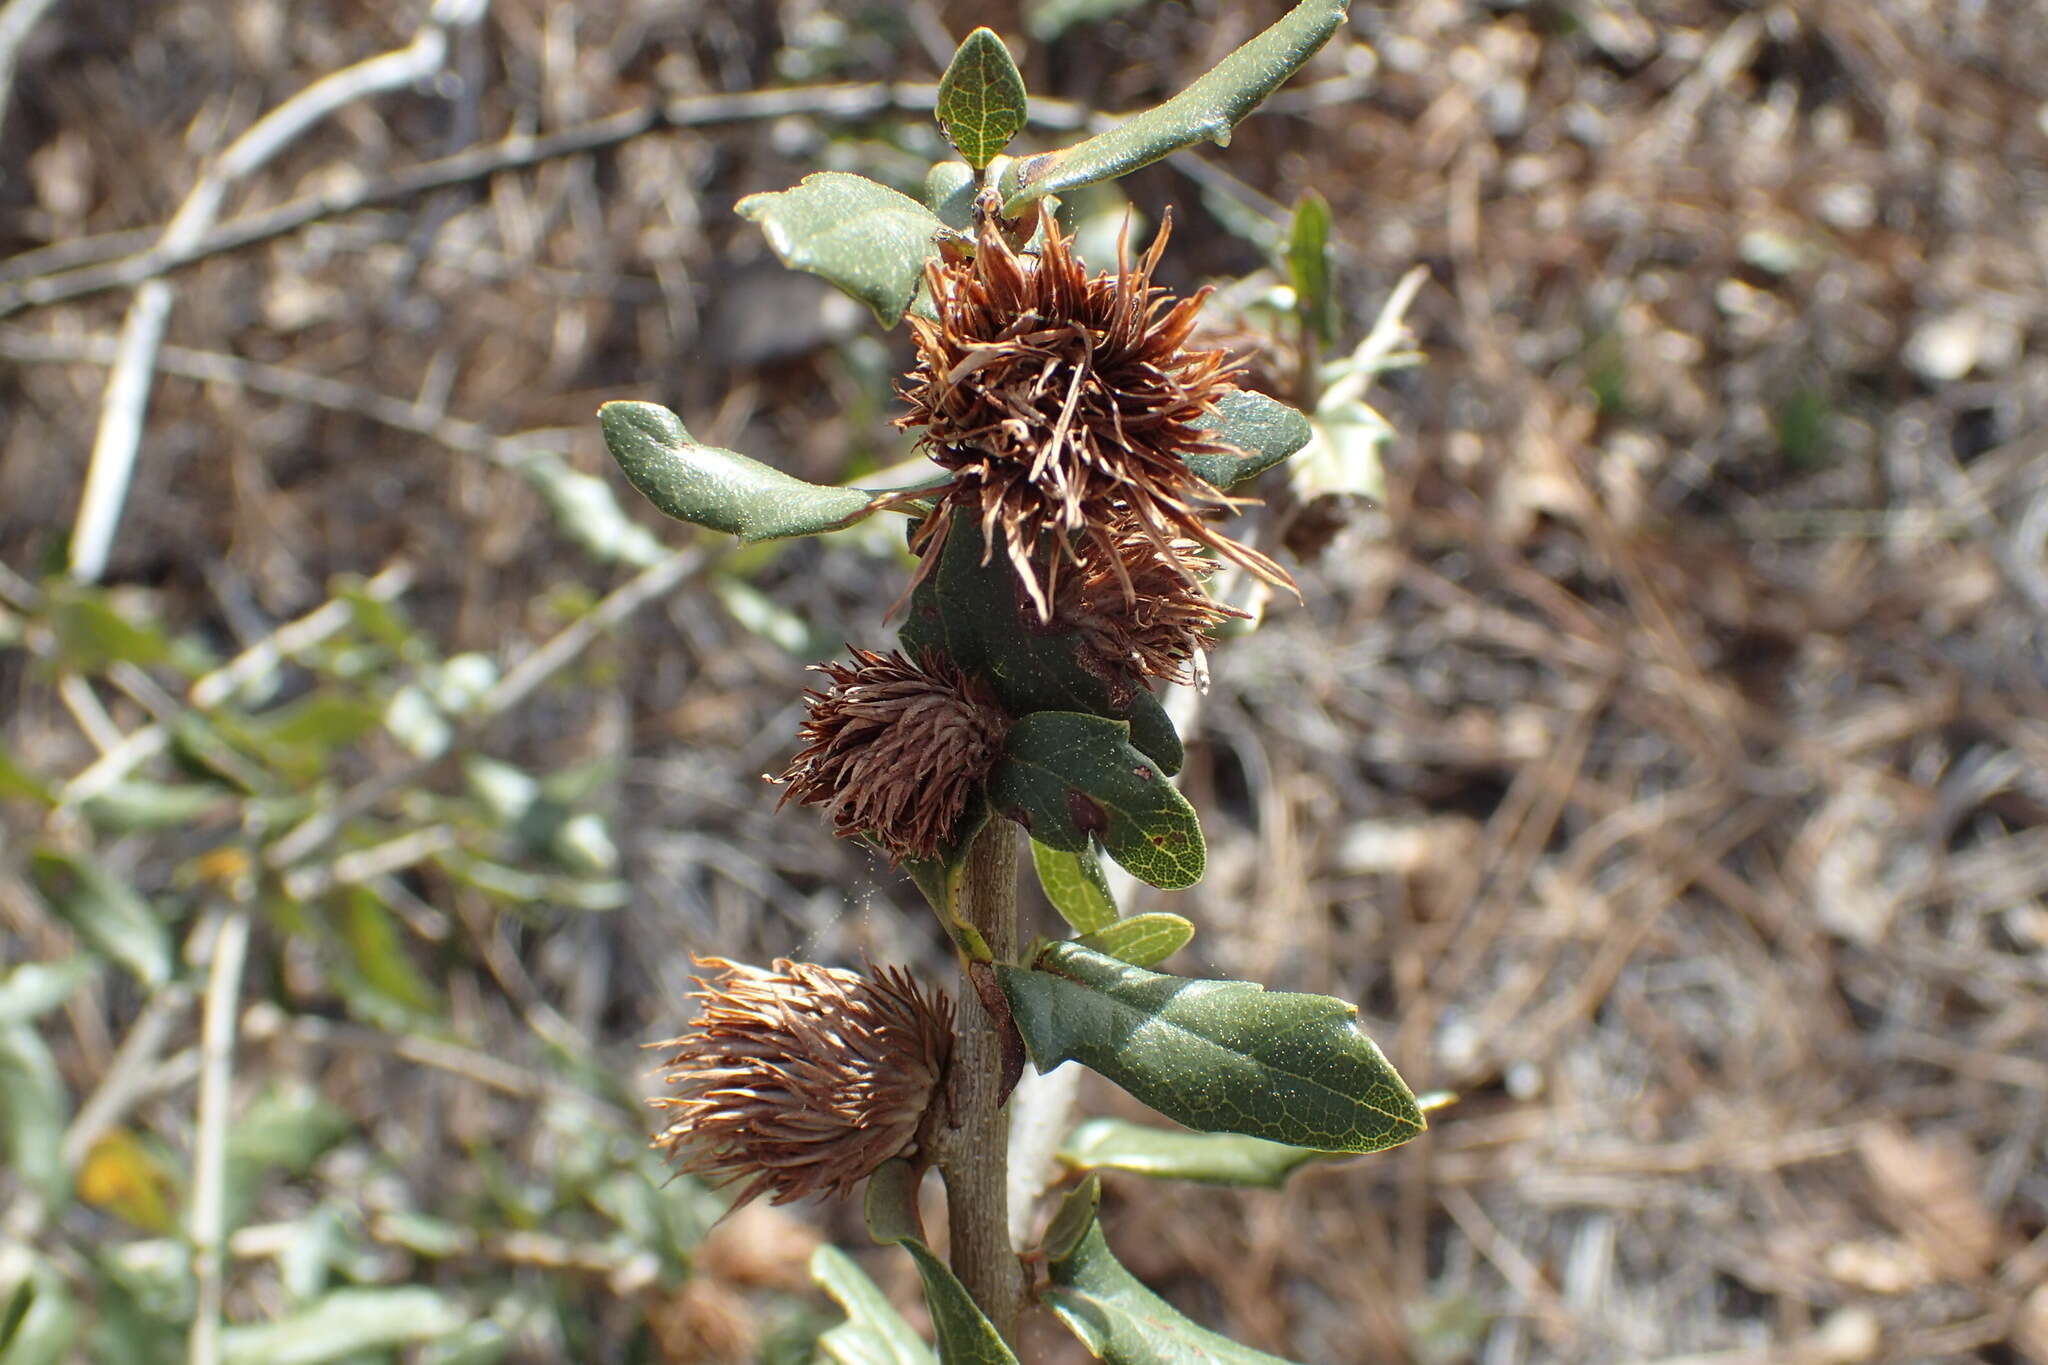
1216	1056
1206	111
1066	776
866	238
1105	1144
719	489
981	99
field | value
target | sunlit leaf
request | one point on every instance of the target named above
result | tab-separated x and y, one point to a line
92	633
34	1106
1265	429
1073	882
137	803
1142	940
586	510
949	188
36	987
19	784
1069	777
719	489
1308	266
1216	1056
1106	1144
1206	110
39	1320
981	98
866	238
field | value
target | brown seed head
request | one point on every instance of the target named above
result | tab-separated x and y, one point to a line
894	748
1064	403
801	1079
1139	611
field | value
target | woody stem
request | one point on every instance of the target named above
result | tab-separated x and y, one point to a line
974	1150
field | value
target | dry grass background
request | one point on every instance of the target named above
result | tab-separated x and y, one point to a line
1664	769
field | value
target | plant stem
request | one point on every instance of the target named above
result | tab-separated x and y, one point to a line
974	1152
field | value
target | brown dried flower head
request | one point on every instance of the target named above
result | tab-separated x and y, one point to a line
893	749
1141	612
800	1079
1066	405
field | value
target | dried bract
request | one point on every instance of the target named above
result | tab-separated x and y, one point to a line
801	1079
1066	406
894	748
1140	612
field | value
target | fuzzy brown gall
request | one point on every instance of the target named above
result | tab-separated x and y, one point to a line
1066	407
800	1080
1140	612
894	748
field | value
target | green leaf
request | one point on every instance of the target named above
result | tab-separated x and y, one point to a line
19	784
1066	776
981	98
1048	19
586	510
1142	940
1308	266
966	1336
1265	429
1121	1321
92	632
345	1323
874	1333
107	913
1076	1214
1074	883
940	878
976	614
34	1107
39	1320
36	987
720	489
866	238
1165	1154
949	188
1216	1056
1207	109
139	804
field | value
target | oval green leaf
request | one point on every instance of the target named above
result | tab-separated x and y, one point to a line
1121	1321
976	614
966	1336
1215	1056
345	1323
107	912
981	98
949	190
1074	883
34	1107
1066	776
1106	1144
1142	940
1308	266
1207	109
1266	430
863	237
874	1333
719	489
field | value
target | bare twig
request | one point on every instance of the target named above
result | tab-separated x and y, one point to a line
126	399
16	20
210	1142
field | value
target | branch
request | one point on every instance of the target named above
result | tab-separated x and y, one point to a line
126	399
210	1141
16	20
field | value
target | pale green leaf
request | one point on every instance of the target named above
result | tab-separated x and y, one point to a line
39	1320
1120	1321
34	1107
588	513
719	489
1048	19
1074	883
1308	266
138	803
1216	1056
874	1333
36	987
346	1322
1206	110
1066	776
866	238
981	98
1106	1144
1142	940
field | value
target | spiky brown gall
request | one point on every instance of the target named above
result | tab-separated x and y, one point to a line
1140	612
